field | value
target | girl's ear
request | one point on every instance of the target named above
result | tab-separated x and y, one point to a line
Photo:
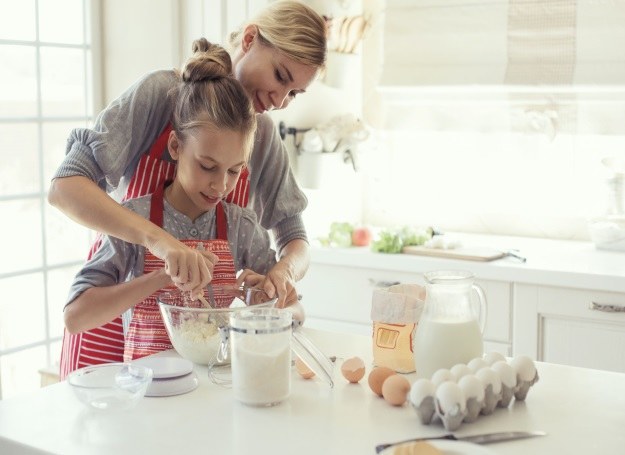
249	35
174	145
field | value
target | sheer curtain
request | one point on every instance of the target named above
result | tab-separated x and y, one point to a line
496	114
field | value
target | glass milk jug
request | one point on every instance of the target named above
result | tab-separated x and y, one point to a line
450	328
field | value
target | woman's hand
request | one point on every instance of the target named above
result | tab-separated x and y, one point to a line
189	269
275	283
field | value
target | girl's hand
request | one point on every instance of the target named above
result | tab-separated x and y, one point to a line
189	269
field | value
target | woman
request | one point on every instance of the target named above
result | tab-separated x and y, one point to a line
275	56
211	139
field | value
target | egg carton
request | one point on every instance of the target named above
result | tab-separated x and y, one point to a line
466	391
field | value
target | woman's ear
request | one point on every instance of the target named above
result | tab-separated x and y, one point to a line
174	145
249	35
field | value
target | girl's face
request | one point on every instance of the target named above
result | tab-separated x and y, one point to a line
271	79
209	164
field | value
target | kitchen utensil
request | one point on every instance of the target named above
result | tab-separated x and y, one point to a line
469	253
193	327
487	438
173	386
110	386
449	330
260	341
166	367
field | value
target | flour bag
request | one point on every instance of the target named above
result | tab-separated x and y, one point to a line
395	312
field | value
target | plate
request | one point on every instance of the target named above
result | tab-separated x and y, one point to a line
451	448
166	367
172	386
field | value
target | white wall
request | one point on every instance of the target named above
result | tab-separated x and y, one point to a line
137	36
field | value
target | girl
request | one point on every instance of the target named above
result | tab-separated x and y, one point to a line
211	138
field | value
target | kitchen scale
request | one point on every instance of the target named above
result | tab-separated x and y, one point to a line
171	376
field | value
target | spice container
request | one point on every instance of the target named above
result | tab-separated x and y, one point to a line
261	356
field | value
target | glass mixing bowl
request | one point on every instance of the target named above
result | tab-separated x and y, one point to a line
193	328
110	386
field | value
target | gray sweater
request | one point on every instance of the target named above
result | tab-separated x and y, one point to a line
109	152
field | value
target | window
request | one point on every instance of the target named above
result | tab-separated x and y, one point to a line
46	90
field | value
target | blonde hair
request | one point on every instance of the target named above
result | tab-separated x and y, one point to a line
293	28
209	95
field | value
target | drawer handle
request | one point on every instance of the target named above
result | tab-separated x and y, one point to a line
607	308
382	284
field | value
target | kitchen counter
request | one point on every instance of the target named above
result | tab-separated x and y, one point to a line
549	262
582	410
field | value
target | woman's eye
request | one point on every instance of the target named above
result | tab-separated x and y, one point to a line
234	171
204	168
279	76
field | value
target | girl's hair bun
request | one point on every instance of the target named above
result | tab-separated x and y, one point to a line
209	62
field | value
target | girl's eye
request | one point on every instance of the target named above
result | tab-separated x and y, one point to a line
234	171
279	77
204	168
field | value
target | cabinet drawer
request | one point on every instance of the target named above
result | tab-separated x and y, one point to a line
581	328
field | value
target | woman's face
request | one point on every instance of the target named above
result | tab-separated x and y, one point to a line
209	164
271	79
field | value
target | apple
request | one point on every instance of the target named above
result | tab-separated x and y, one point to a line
361	236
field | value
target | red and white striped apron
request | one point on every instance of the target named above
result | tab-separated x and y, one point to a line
105	344
147	333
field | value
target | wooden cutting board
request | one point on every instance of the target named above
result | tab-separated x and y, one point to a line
469	253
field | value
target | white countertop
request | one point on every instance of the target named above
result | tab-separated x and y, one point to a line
583	412
549	262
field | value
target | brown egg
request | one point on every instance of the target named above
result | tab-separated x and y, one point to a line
303	369
377	377
395	389
353	369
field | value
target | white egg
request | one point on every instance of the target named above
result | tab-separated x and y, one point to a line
441	376
459	370
506	373
477	364
420	390
493	357
524	367
490	377
449	396
472	386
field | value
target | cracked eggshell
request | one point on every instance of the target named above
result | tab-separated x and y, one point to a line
353	369
492	357
460	370
421	397
441	376
303	369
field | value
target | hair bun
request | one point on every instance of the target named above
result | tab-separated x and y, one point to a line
209	62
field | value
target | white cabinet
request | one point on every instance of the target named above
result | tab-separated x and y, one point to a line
338	297
570	326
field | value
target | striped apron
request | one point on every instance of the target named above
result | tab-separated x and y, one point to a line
147	334
105	344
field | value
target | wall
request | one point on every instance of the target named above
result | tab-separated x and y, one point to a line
137	36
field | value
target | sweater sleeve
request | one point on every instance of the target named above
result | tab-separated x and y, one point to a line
122	132
276	198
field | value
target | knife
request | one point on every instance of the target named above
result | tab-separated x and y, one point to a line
487	438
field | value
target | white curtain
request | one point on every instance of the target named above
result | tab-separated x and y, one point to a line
513	42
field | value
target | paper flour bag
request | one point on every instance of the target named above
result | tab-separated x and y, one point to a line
395	312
